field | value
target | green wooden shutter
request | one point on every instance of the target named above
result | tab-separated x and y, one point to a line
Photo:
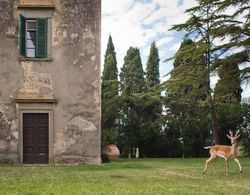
22	38
41	38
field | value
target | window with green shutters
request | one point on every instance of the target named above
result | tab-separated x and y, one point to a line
22	35
33	37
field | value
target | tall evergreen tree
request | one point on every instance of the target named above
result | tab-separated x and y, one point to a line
179	60
152	128
132	74
186	88
153	79
227	94
132	83
228	87
208	25
152	68
110	50
109	94
110	64
187	82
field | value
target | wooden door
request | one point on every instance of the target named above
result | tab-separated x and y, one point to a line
35	138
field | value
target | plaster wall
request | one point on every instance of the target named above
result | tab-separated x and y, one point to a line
71	77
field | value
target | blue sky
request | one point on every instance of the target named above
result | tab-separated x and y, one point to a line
138	23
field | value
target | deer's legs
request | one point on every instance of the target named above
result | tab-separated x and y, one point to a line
238	162
207	161
214	164
226	161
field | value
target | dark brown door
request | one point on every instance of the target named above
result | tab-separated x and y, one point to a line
35	138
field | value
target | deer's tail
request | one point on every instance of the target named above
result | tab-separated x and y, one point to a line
207	147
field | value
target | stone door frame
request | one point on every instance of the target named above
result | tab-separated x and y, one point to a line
36	108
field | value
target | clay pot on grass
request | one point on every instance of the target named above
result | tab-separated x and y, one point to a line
110	152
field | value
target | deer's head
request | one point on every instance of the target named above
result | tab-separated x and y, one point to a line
233	138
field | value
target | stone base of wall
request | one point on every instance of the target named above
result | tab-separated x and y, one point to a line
9	159
77	160
70	160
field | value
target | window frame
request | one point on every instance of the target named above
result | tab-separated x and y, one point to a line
36	14
26	37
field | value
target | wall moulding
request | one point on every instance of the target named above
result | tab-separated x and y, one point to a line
36	4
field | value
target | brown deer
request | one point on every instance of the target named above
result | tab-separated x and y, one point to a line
225	152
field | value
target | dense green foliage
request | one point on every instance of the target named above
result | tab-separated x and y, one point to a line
245	129
152	127
227	95
132	74
185	113
228	87
144	176
186	93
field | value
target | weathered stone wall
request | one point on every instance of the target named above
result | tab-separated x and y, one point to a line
11	78
72	77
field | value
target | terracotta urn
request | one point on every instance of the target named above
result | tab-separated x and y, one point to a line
110	152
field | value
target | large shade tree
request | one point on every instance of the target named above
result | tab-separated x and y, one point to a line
208	25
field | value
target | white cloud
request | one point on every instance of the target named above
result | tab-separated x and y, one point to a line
126	21
164	41
146	51
125	27
134	23
175	47
112	7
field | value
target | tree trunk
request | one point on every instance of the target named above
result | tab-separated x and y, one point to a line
216	135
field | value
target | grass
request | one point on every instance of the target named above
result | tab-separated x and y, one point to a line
141	176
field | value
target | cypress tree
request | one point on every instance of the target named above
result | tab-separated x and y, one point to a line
132	74
110	64
152	113
152	68
109	94
132	84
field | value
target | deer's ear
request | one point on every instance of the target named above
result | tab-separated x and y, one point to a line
229	137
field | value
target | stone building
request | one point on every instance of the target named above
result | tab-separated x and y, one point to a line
50	81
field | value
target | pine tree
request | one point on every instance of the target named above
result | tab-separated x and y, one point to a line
185	92
187	82
208	25
109	94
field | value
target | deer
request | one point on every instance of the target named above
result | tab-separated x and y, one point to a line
225	152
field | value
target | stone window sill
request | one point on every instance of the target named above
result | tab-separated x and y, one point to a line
27	6
18	100
35	59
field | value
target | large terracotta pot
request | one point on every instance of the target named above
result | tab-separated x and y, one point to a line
110	152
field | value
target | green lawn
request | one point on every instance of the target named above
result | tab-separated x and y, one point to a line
144	176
